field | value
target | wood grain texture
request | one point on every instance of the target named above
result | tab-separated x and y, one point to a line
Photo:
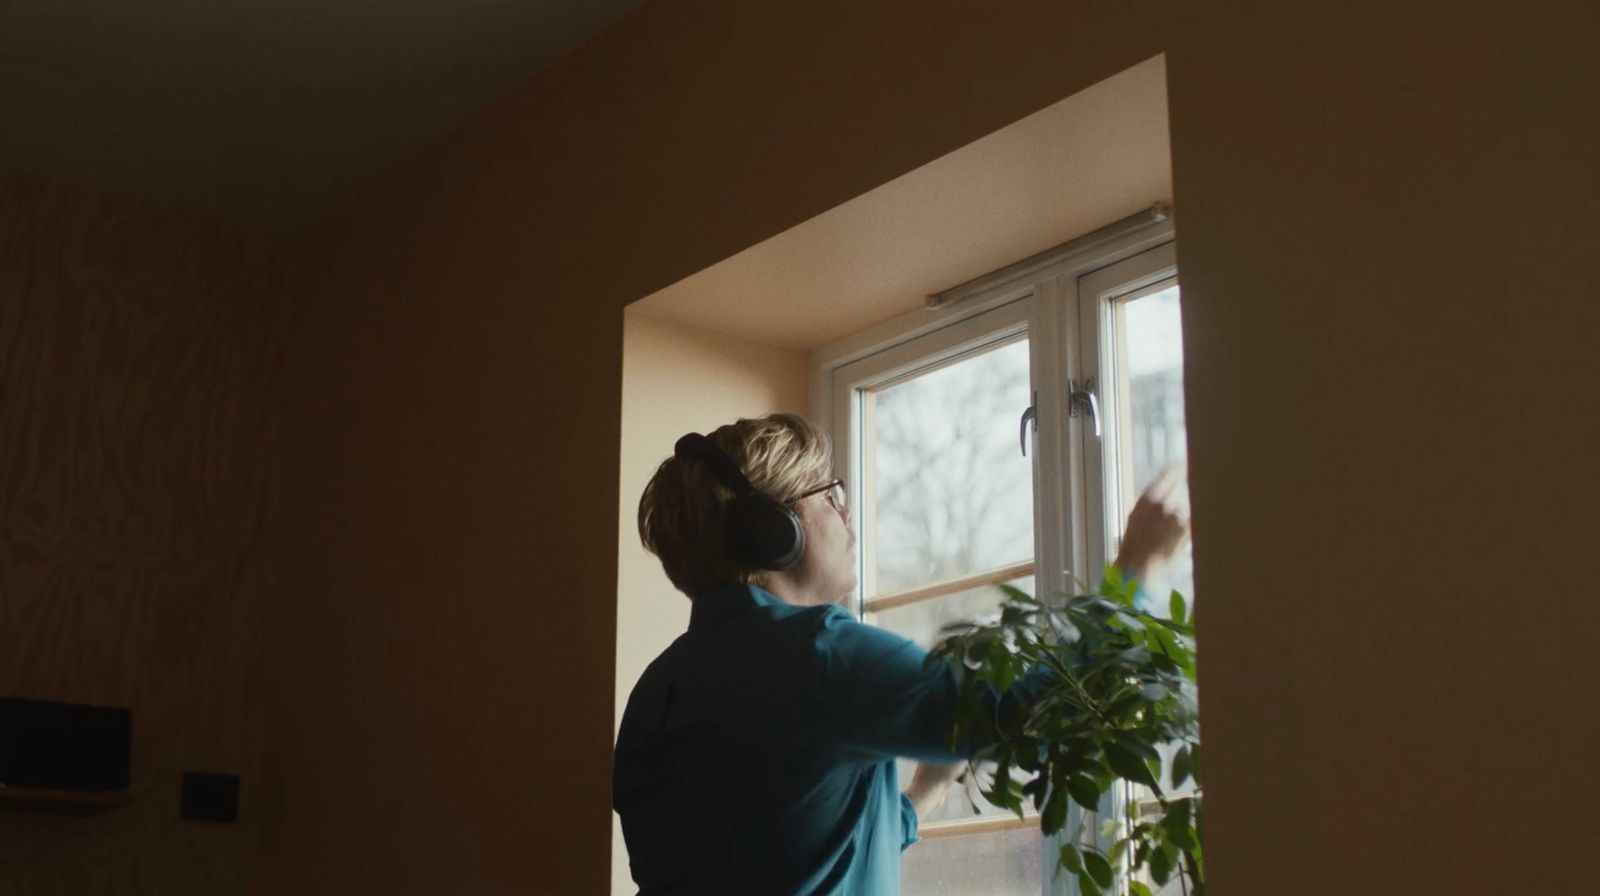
138	354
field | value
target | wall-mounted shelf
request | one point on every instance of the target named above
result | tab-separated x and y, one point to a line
61	802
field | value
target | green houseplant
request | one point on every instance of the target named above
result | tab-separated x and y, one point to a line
1117	707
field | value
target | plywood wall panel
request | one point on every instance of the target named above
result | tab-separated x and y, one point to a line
138	350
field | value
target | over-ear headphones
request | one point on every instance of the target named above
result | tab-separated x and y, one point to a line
763	532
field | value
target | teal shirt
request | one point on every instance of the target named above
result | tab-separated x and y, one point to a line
756	754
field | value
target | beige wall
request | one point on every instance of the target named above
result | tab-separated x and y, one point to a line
676	379
1387	227
140	352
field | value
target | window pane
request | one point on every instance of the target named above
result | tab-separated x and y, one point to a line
1152	435
951	491
922	621
961	798
1007	863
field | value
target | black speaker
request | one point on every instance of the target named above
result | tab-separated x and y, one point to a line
64	746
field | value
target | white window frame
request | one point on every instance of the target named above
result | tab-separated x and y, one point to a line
1064	331
1097	295
914	356
1063	300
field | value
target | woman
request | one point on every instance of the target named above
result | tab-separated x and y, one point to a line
757	753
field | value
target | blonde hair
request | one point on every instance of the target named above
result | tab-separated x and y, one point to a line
683	511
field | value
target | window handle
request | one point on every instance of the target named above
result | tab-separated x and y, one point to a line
1026	416
1081	400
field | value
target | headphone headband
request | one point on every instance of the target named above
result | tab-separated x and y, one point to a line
761	530
698	447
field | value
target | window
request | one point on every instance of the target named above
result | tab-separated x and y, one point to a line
1130	319
1003	439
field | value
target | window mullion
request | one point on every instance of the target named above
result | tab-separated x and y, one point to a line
1097	452
1052	475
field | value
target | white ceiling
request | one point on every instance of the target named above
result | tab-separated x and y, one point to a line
261	112
1091	159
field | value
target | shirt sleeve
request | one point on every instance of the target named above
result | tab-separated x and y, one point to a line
908	823
884	701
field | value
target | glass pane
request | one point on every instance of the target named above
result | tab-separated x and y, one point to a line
963	797
922	622
951	492
1151	436
1008	863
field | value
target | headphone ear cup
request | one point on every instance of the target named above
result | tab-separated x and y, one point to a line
764	533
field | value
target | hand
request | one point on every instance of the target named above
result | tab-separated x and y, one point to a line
1155	529
930	783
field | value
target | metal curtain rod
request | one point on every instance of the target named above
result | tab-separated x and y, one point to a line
1089	242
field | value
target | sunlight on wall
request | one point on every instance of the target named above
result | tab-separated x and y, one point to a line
675	379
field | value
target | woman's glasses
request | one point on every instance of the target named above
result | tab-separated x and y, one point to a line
835	491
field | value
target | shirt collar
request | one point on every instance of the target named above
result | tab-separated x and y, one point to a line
720	604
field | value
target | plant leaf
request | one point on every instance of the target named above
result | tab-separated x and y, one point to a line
1014	593
1112	582
1084	791
1128	765
1139	746
1180	766
1098	868
1129	621
1136	656
1160	869
1054	816
1000	662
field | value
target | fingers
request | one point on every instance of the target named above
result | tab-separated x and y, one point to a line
1158	521
1158	525
1168	493
1167	482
